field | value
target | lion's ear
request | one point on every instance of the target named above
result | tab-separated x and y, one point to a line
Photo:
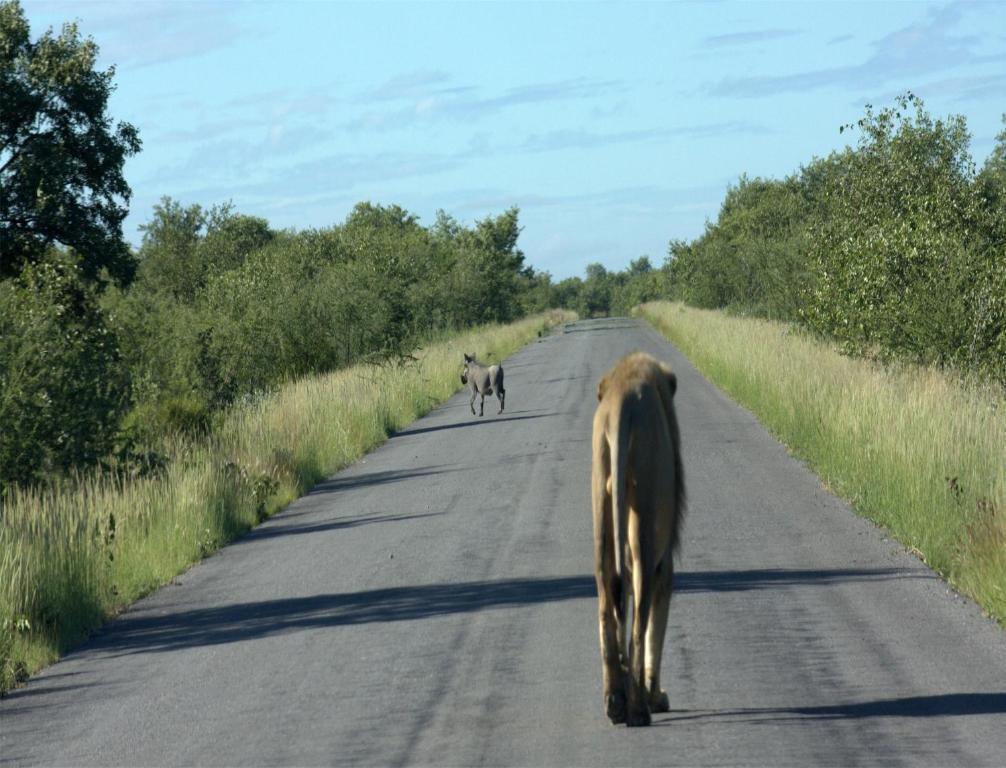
468	359
601	387
672	382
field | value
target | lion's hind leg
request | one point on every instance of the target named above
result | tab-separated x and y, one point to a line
609	589
642	590
655	632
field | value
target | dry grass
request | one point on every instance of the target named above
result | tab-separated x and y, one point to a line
916	450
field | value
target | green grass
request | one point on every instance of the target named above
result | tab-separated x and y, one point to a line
71	557
916	450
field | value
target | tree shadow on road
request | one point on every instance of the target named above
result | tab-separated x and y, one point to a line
139	632
347	481
142	632
771	578
936	705
297	529
473	421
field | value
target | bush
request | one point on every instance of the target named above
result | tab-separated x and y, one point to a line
895	253
896	247
753	258
62	386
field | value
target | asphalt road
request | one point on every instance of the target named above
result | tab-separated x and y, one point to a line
434	605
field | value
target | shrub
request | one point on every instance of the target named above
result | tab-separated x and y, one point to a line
62	385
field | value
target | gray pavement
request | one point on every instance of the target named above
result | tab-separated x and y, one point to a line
434	605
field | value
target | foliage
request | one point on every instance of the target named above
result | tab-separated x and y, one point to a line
61	158
183	247
62	385
223	307
753	258
604	293
595	296
895	247
895	257
215	308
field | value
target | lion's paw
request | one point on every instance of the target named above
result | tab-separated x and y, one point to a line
614	706
638	718
659	702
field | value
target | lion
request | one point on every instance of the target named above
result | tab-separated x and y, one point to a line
638	495
483	379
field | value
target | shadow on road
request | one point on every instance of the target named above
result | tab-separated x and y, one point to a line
474	421
345	482
768	578
937	705
248	621
296	529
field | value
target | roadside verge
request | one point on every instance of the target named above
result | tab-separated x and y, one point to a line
916	450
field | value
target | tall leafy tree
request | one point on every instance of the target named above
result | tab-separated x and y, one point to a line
492	266
61	157
896	255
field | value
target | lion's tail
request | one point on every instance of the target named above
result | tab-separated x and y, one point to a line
619	474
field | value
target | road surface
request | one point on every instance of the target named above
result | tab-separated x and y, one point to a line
434	605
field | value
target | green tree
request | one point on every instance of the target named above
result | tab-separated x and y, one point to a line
168	262
489	268
567	293
753	257
183	246
992	191
61	158
595	297
640	266
62	387
895	254
640	283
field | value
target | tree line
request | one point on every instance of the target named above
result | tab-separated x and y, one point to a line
894	247
106	350
222	307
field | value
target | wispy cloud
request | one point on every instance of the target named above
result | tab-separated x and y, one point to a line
263	179
154	31
638	199
425	97
954	89
293	121
410	85
747	38
919	49
583	139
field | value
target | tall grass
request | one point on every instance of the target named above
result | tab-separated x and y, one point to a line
72	556
916	450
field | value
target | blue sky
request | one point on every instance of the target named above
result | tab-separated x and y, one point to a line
615	127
